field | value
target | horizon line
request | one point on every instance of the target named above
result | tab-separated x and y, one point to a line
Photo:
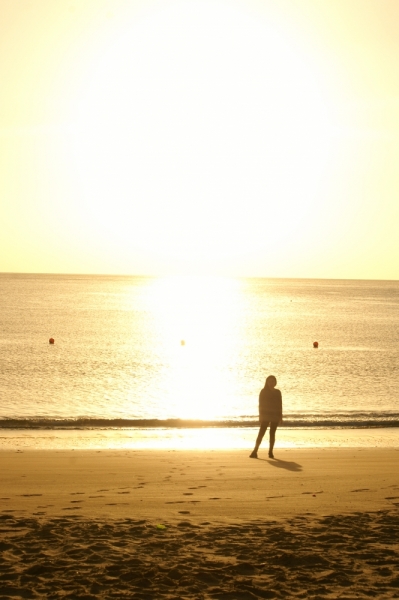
182	275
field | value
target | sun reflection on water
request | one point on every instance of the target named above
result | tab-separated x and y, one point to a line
197	320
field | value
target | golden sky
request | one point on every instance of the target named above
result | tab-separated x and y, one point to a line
241	137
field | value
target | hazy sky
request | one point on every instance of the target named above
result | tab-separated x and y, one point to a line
254	138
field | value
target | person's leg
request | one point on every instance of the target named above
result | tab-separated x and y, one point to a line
272	438
262	431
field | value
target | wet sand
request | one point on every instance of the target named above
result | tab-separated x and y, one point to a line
314	523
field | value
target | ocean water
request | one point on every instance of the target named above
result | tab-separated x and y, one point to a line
145	352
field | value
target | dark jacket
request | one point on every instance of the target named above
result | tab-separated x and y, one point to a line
270	405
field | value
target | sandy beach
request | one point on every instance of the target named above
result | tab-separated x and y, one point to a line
314	523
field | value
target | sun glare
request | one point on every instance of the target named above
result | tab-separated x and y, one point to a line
198	123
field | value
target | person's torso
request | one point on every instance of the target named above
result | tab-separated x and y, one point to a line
270	402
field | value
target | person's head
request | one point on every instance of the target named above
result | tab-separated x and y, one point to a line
271	382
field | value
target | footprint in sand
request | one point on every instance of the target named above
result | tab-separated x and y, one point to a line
30	495
184	512
76	501
72	508
188	494
361	490
76	493
123	492
214	498
96	496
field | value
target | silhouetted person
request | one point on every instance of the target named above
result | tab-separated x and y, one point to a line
270	413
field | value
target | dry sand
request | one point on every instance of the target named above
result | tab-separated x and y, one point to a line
315	523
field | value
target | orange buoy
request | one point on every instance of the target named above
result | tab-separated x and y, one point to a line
51	341
315	344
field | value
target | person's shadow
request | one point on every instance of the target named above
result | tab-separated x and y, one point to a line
283	464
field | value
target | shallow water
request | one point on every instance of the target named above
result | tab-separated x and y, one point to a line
196	439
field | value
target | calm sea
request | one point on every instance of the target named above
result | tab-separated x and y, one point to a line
141	352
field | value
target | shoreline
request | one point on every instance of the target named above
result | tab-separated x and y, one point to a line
223	438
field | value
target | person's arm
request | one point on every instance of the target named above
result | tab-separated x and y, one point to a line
261	404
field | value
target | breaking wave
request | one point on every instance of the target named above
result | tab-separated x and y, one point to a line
343	420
